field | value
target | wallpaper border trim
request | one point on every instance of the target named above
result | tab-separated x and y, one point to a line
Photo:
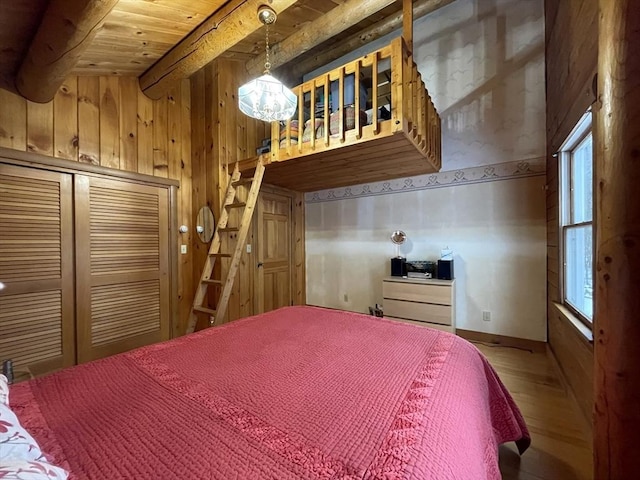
486	173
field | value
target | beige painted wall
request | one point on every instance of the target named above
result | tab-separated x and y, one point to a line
497	230
483	63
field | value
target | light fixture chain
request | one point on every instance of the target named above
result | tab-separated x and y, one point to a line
267	63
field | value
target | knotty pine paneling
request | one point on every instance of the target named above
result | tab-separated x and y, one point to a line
575	356
220	135
571	61
219	138
108	121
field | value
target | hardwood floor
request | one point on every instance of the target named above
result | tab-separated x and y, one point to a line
560	437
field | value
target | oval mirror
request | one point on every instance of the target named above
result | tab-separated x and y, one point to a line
398	237
205	224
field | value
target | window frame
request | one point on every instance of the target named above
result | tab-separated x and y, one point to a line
574	140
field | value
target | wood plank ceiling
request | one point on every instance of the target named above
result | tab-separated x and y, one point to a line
136	33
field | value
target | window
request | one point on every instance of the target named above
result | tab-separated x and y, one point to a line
576	217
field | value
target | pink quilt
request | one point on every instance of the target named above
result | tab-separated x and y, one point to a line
300	392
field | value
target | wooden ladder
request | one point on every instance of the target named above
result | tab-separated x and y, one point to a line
230	202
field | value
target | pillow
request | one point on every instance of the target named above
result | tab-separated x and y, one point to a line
30	470
15	441
4	390
20	455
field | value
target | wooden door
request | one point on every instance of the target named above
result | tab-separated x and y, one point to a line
36	268
274	246
122	265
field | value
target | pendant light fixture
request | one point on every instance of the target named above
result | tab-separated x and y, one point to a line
266	98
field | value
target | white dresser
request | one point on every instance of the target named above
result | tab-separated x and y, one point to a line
427	302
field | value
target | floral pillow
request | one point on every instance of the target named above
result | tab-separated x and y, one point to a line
30	470
20	455
4	390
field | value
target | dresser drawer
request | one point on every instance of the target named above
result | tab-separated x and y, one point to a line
415	292
445	328
426	312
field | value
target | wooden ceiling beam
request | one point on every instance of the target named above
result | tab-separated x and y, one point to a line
66	30
380	29
314	33
226	27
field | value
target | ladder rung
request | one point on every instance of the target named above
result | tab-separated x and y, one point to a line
229	229
236	205
220	255
242	181
212	282
204	310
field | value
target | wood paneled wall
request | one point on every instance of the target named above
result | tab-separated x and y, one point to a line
221	135
108	121
571	63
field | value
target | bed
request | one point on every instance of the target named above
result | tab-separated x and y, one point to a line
299	392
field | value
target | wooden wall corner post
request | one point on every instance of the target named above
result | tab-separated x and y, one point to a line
397	66
66	30
407	24
617	278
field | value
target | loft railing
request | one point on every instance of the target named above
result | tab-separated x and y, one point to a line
379	94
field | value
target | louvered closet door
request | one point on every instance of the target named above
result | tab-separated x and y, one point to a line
122	266
36	267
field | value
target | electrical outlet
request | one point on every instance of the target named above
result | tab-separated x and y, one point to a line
486	316
183	249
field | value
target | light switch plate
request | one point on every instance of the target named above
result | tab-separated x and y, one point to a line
183	249
248	248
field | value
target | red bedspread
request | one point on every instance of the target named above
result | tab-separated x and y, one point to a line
301	392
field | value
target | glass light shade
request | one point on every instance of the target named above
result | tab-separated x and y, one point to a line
266	98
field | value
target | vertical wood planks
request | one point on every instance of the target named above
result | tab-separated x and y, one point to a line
145	133
313	125
327	114
397	63
226	142
128	100
109	122
374	95
65	114
89	120
342	115
358	123
186	213
220	136
40	128
174	123
160	133
13	121
299	277
198	176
